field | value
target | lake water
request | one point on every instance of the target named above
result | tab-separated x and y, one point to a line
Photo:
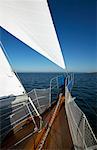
85	90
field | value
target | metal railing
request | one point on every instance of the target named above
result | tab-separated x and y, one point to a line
81	132
16	113
80	129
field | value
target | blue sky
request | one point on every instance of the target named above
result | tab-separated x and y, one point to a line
75	22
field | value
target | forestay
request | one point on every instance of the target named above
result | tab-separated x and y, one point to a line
9	83
30	21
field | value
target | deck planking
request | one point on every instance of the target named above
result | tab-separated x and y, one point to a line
59	137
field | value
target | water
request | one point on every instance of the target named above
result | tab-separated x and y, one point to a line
36	80
85	90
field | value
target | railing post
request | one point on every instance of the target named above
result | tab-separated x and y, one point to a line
83	130
50	93
37	100
31	102
36	128
57	83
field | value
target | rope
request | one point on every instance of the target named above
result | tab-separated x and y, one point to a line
40	146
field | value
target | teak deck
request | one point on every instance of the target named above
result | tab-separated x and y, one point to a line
59	137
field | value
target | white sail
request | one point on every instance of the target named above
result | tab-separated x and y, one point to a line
30	21
9	83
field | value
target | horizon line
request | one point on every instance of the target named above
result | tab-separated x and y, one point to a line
55	72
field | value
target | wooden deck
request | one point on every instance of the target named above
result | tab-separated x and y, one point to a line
59	137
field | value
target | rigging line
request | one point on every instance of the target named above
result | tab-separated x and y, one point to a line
8	59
